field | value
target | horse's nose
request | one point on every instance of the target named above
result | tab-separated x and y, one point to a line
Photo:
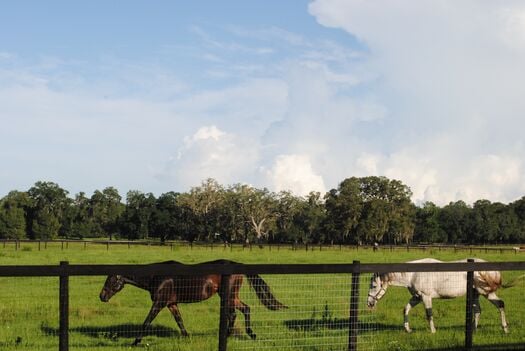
103	297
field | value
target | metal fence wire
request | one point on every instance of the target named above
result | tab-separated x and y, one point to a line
261	307
29	313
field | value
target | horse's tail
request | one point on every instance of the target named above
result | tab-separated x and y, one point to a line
488	281
513	282
264	294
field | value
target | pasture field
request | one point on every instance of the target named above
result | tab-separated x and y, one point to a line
316	319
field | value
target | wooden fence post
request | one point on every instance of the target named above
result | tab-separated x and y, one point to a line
63	343
468	310
224	292
354	308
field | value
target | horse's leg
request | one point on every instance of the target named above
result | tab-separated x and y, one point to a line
245	309
427	301
174	309
153	312
236	303
232	295
476	307
232	315
500	305
414	301
160	300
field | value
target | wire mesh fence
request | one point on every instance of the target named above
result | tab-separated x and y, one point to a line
29	313
317	314
285	312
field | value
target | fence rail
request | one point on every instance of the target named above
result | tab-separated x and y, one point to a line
65	270
64	243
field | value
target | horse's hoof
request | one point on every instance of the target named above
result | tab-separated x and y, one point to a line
253	336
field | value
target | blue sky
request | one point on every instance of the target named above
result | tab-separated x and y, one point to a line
291	95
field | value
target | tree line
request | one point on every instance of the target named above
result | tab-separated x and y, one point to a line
361	210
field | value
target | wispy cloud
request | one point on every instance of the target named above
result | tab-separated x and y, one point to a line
438	107
450	76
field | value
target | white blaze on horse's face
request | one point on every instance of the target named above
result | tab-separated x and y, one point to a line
376	291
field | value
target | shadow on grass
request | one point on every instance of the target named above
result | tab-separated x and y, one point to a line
114	332
313	324
501	347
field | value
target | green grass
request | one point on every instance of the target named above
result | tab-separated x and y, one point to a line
316	320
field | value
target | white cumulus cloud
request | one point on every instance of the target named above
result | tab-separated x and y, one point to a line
450	76
295	173
212	153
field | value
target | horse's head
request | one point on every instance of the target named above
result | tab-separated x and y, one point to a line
377	289
113	284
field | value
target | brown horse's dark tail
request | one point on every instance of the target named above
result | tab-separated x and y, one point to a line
264	294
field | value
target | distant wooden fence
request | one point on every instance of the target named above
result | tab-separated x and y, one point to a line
65	243
65	270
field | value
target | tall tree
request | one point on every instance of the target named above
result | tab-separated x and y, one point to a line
484	223
343	210
311	217
49	205
374	221
135	220
204	202
255	211
288	208
165	220
402	215
13	213
106	208
366	209
12	222
80	223
427	228
518	207
508	223
455	222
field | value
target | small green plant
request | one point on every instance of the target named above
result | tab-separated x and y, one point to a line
327	316
396	346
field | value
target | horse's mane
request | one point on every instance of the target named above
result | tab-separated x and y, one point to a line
167	262
220	261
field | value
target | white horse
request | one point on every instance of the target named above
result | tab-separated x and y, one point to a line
424	286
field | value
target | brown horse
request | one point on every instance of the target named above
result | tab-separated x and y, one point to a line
168	291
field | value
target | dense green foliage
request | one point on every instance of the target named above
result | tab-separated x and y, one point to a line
361	210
